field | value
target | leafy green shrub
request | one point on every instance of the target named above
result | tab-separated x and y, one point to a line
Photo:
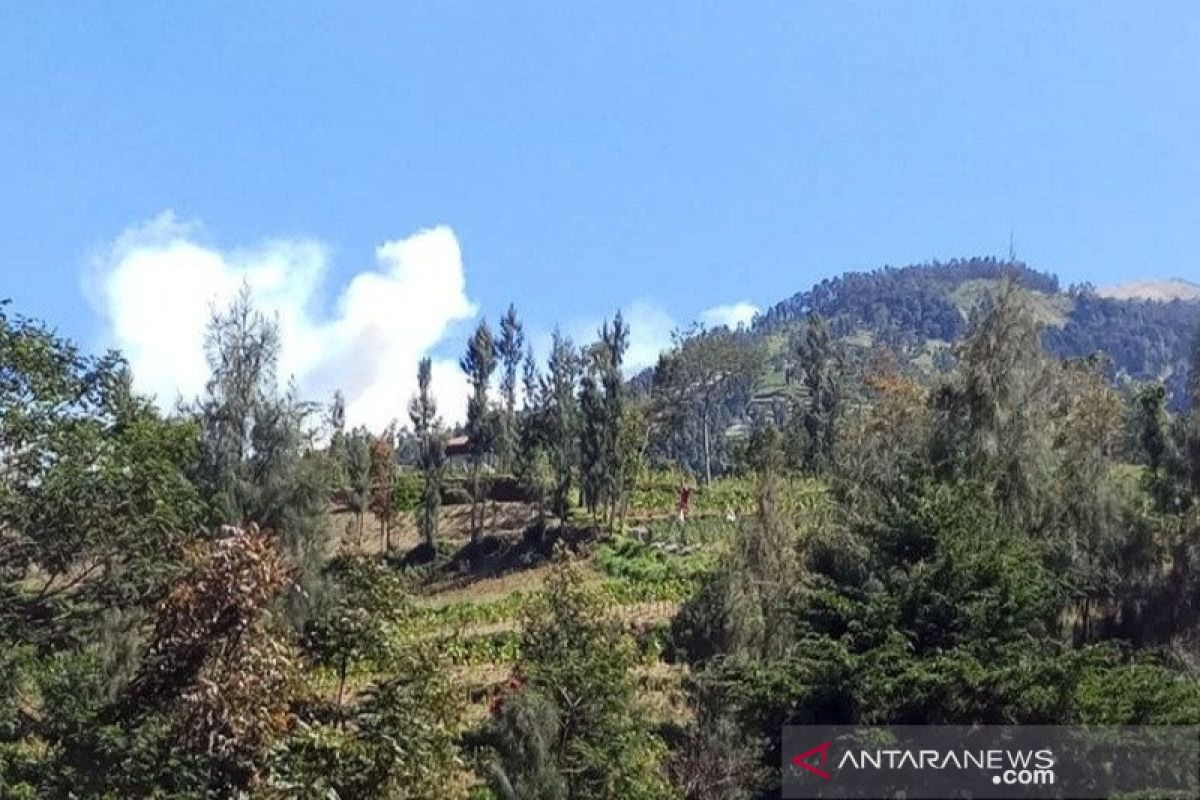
401	746
500	647
572	727
407	488
358	618
632	560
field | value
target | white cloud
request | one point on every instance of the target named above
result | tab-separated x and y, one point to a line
731	315
650	329
157	283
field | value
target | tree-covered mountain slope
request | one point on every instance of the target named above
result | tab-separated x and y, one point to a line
917	311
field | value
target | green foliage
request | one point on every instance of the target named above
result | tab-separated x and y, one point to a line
478	364
632	560
969	531
976	551
560	419
1141	691
408	492
697	383
257	464
510	348
818	366
401	745
604	456
574	724
95	482
95	504
422	410
356	452
501	647
358	618
658	492
525	734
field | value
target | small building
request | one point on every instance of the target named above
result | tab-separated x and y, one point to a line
458	454
458	447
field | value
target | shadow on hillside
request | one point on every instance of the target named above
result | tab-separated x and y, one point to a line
497	554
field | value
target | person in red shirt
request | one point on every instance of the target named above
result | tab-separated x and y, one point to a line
685	501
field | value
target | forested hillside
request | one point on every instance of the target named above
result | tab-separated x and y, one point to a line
914	309
944	494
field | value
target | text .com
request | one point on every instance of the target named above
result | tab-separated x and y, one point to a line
1004	762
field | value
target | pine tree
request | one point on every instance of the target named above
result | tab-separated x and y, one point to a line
592	464
258	463
1193	427
532	461
763	563
510	348
819	368
479	362
614	341
1004	384
383	476
336	422
422	410
358	474
601	410
337	414
242	348
562	419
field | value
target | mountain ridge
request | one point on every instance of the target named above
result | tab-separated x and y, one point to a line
1145	330
1161	289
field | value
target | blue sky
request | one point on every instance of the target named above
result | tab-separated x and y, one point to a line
589	156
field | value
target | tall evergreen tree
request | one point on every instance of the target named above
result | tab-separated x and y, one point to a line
336	422
592	462
1193	426
337	414
510	347
383	477
479	362
258	463
601	405
562	419
818	366
532	460
422	410
242	348
993	425
358	476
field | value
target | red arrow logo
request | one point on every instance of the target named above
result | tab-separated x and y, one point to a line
802	760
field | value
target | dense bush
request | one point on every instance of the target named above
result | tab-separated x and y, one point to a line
571	727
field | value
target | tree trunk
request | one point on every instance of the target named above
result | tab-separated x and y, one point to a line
344	667
707	453
475	503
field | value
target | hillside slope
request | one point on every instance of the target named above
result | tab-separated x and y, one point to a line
1153	289
1145	329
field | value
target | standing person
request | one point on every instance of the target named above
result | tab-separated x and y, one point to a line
685	501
